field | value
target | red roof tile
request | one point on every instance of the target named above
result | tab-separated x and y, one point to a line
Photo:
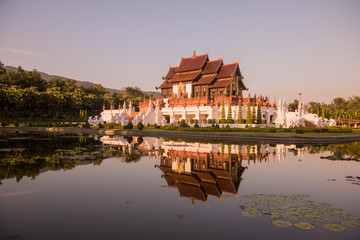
192	63
205	79
165	84
171	73
186	76
221	83
212	66
228	70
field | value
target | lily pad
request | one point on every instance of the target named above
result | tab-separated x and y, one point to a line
334	227
314	217
275	216
354	219
281	223
350	224
250	196
304	225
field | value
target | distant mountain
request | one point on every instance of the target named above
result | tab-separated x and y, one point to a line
47	77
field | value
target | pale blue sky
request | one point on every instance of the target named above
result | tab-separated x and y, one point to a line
286	47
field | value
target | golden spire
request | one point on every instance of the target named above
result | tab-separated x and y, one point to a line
194	53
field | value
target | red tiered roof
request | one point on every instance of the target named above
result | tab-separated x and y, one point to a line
165	84
221	83
228	70
212	66
205	79
192	63
186	76
171	73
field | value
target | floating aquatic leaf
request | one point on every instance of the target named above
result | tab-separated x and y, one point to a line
281	223
250	196
293	215
350	223
304	225
354	219
276	201
301	195
314	217
275	216
334	227
251	213
306	211
339	213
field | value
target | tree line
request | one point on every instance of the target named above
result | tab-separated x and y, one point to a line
26	95
339	109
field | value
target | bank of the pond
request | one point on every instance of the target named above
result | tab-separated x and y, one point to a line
285	137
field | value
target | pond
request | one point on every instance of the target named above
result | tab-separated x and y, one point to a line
102	187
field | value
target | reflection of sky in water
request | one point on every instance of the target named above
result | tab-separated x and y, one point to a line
131	200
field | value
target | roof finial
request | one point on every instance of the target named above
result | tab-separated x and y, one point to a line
222	57
194	53
181	55
239	60
169	66
208	51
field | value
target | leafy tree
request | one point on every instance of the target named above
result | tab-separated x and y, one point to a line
248	113
258	115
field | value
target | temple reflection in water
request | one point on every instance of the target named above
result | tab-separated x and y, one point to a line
198	170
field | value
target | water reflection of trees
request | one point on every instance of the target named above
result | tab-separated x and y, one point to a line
29	155
344	151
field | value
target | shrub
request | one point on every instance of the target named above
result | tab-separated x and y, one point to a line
231	121
129	126
100	125
272	130
246	126
324	130
299	131
204	120
140	126
317	131
287	130
222	121
196	125
191	120
217	126
227	126
140	140
182	123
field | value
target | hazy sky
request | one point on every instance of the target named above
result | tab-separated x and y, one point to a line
286	47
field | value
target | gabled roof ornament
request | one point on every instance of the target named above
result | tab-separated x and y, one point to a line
194	53
222	57
238	60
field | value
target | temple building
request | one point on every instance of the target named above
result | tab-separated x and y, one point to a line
198	89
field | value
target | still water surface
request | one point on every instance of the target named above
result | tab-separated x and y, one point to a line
101	187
